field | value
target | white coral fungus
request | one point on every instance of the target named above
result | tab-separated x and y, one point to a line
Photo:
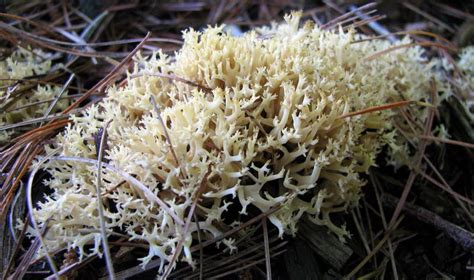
263	127
15	70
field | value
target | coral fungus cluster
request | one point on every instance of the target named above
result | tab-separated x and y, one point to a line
255	121
17	72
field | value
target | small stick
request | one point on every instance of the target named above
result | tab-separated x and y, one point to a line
461	236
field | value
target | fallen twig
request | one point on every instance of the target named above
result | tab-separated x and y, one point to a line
461	236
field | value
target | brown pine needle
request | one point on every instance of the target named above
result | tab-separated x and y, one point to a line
447	141
446	188
422	44
416	166
382	107
410	32
375	250
337	20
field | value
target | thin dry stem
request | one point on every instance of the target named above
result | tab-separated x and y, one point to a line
100	207
267	249
29	197
148	194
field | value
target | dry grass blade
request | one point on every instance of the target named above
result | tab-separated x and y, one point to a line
446	187
335	21
33	121
380	108
111	43
109	76
72	267
355	18
72	96
255	219
44	27
461	236
201	253
8	190
245	266
29	197
63	89
422	44
45	45
100	207
35	135
453	11
17	249
155	263
220	262
267	249
167	136
447	141
376	185
428	16
364	22
360	231
419	159
410	32
25	262
247	256
375	249
148	194
171	77
377	27
179	248
251	247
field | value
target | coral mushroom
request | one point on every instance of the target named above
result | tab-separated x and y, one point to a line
253	121
21	65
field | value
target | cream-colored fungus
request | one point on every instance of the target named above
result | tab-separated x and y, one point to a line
264	127
20	65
